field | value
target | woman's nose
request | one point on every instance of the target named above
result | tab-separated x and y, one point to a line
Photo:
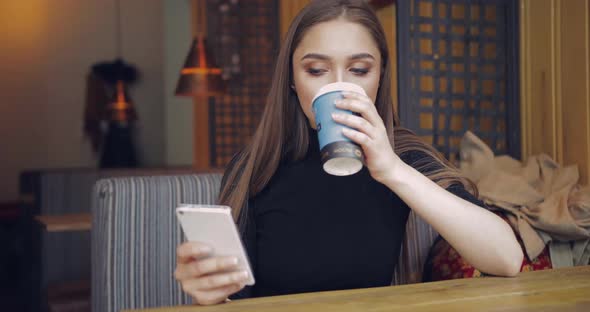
340	75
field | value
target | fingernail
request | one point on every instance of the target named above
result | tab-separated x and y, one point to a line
240	276
336	116
205	249
229	262
244	275
338	101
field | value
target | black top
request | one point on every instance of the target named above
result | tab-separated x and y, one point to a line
310	231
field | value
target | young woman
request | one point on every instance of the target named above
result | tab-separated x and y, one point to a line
306	230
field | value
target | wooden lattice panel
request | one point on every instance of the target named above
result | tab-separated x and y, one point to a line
458	72
246	35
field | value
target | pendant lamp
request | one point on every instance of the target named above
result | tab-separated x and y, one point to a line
199	76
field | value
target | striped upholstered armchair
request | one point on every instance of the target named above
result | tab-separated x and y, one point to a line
135	234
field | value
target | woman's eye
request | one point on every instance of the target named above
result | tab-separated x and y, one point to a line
315	71
359	71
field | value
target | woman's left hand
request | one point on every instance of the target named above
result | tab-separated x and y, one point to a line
369	132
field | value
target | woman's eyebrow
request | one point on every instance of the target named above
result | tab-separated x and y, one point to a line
324	57
316	56
361	56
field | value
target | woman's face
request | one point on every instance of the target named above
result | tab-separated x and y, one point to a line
335	51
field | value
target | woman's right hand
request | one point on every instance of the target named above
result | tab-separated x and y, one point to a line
208	280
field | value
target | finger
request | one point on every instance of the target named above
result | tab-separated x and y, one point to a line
361	104
355	122
215	281
357	137
190	251
204	267
217	295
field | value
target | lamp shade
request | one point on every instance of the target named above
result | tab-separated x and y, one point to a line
199	75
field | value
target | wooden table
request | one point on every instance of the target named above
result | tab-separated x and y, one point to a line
67	222
551	290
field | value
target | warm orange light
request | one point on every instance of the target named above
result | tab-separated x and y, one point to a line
200	70
23	29
120	103
120	108
202	52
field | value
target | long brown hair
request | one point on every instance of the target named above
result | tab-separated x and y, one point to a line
283	130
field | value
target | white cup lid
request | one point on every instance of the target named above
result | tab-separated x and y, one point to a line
339	86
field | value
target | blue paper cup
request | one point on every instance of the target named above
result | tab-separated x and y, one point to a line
340	156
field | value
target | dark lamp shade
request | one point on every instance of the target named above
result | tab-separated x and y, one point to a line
199	75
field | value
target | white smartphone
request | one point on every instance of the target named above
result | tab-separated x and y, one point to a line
214	225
